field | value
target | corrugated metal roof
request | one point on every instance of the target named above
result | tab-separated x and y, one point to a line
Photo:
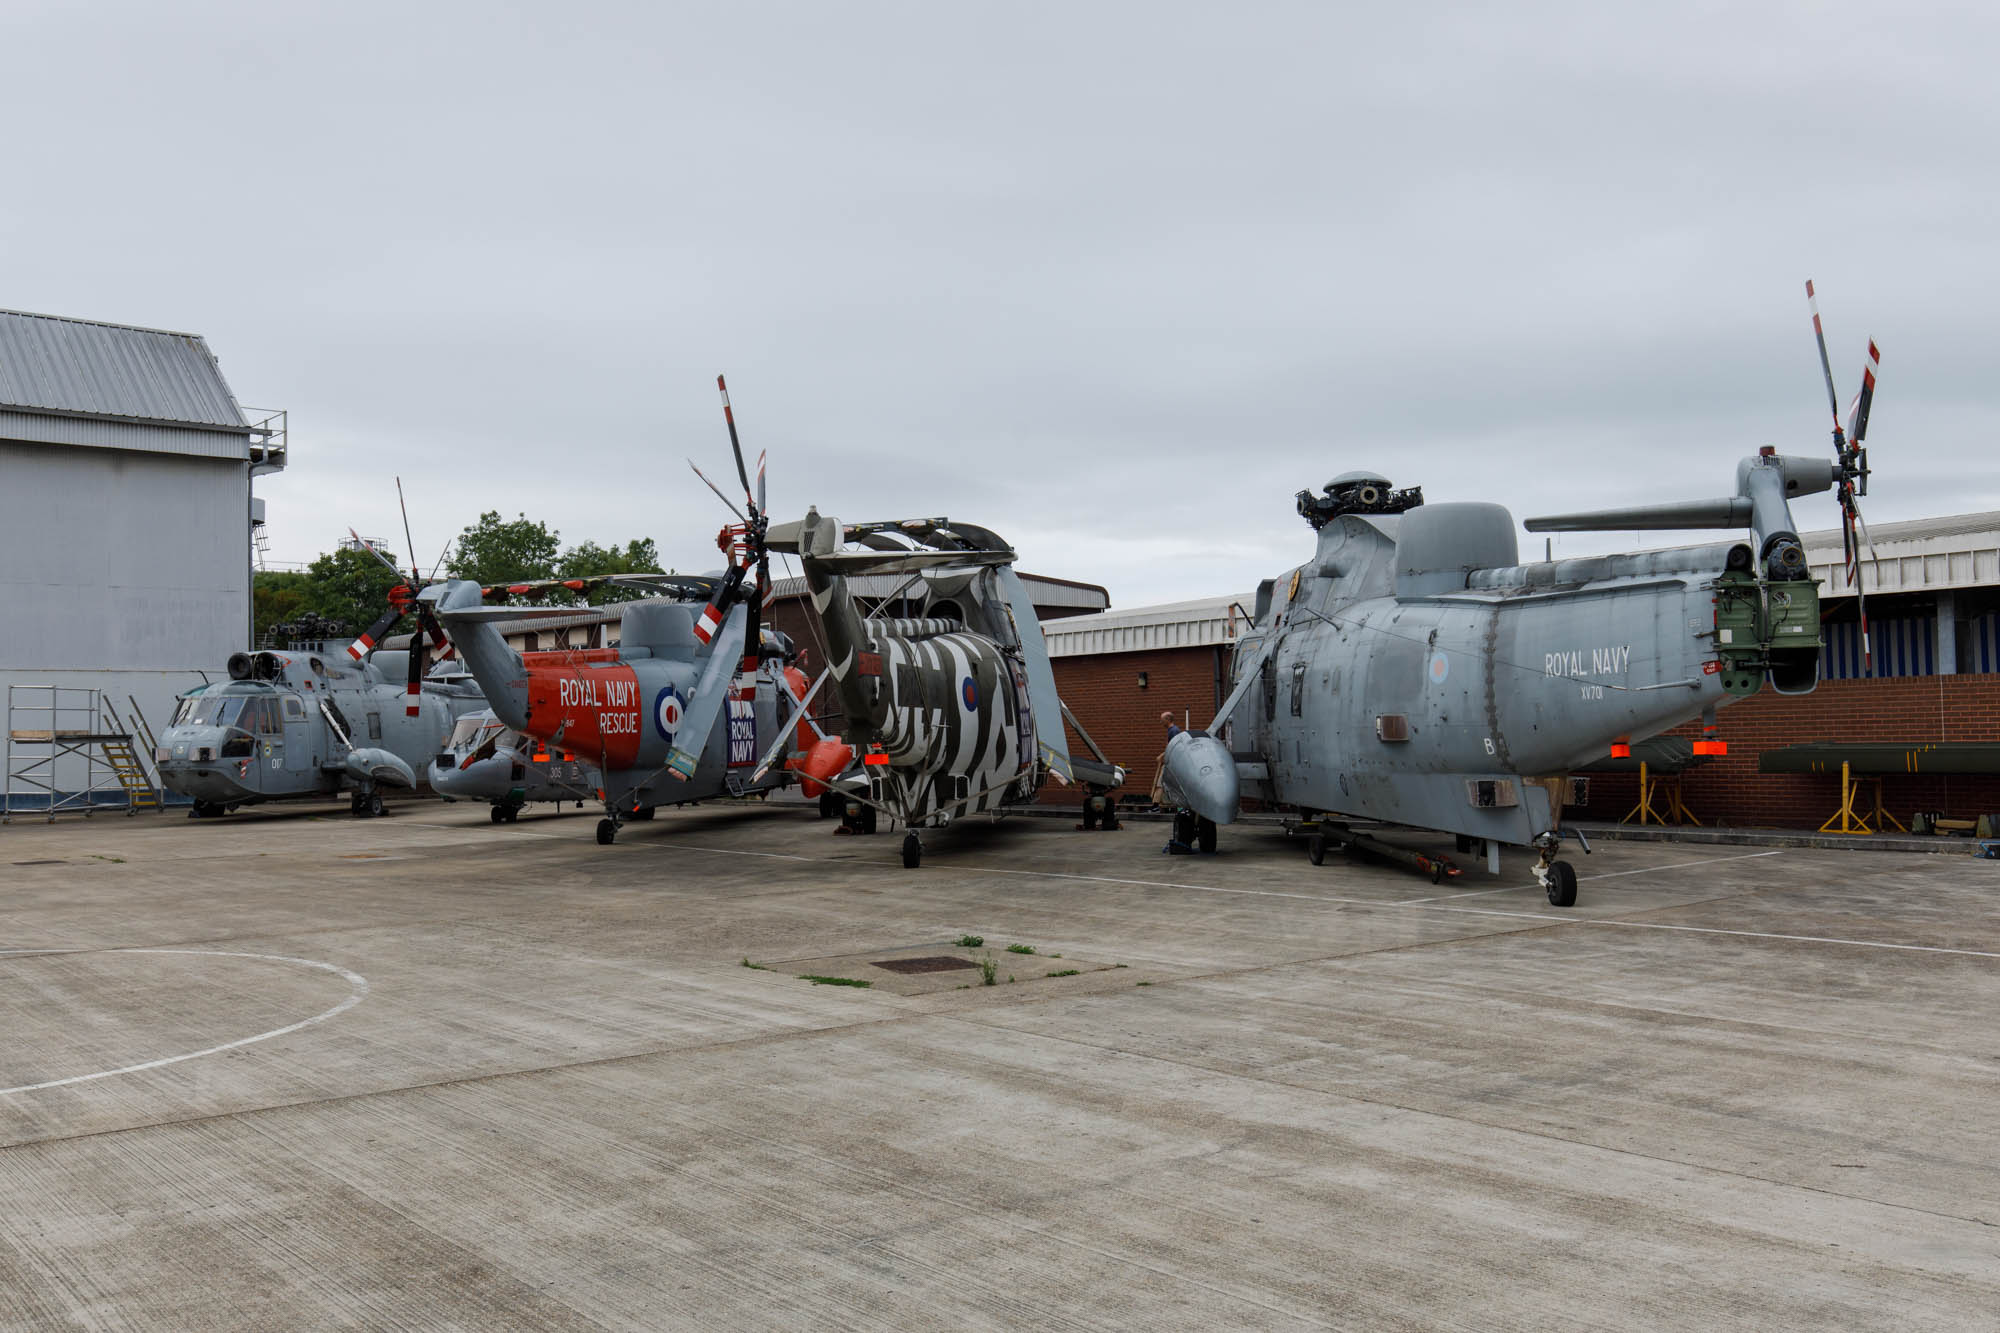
80	367
1142	629
1920	555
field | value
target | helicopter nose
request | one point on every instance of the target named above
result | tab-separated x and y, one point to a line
1201	772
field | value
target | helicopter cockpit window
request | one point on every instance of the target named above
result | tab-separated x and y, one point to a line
260	716
468	727
214	711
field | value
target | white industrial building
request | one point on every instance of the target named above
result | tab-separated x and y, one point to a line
126	512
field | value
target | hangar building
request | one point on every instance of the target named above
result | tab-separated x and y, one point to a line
125	511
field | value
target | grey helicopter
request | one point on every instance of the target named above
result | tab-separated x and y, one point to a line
1414	672
309	723
484	759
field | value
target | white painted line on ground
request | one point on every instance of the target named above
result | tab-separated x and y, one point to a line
354	979
1682	865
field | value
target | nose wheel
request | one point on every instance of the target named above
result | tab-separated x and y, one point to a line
913	850
607	832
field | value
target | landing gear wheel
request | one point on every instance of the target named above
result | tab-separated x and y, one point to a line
1561	883
607	830
1089	813
829	805
1110	824
1184	827
499	815
1205	836
1316	849
513	813
913	850
868	817
374	804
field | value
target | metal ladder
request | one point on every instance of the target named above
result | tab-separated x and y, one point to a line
128	766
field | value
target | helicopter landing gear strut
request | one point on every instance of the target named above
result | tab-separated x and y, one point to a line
365	804
1557	878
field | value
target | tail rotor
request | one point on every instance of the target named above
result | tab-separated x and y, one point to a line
1851	457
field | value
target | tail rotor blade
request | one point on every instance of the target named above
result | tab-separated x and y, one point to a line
1857	421
1826	366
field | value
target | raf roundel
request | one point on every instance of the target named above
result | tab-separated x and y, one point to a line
1439	669
970	693
667	711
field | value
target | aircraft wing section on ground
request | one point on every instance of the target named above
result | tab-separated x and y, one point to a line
1041	675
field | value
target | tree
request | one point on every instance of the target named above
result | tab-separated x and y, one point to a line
588	559
495	551
276	597
349	587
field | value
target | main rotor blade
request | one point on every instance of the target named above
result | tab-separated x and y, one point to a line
786	732
760	481
371	636
1826	366
735	445
369	547
725	658
416	570
718	491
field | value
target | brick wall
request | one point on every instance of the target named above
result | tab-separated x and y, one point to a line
1730	790
1124	719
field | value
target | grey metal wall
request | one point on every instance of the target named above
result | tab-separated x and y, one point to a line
127	571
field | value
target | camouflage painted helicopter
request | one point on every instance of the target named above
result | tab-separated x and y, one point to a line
951	711
645	715
1414	672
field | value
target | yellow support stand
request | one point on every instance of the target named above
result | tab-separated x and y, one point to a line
1852	820
1667	788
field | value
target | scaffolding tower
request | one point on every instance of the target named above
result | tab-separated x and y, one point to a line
68	744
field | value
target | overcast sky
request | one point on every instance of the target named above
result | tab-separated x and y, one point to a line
1115	281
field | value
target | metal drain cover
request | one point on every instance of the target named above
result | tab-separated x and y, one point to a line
940	964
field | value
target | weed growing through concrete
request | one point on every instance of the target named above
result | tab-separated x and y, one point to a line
1054	955
115	860
834	981
989	968
1064	972
1020	948
969	941
754	966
